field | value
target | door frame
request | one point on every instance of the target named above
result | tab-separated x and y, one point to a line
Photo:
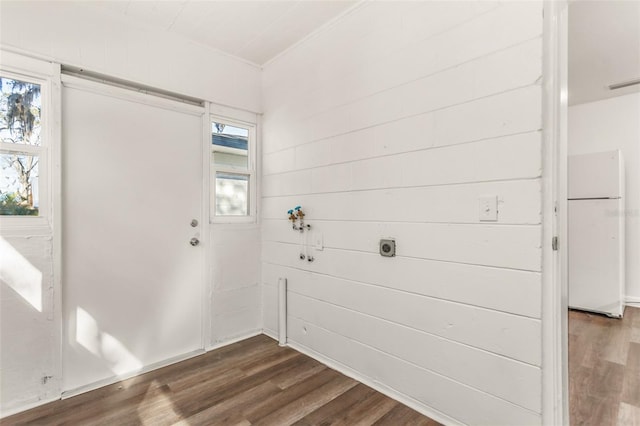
117	89
240	117
205	240
555	337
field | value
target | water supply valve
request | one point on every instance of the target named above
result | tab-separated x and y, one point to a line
292	216
296	214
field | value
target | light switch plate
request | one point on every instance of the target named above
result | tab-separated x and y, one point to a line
488	208
318	240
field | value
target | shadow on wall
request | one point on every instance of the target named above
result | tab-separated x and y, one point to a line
20	275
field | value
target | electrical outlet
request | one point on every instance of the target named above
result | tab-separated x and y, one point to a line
387	247
488	208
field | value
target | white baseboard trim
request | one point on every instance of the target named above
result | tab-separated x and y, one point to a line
270	333
347	371
27	406
105	382
111	380
633	301
386	390
155	366
115	379
234	339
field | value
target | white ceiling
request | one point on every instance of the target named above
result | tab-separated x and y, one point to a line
255	31
604	35
604	48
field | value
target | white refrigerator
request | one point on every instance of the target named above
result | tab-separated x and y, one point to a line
596	219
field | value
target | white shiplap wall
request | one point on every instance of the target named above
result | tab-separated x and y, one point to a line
393	122
235	282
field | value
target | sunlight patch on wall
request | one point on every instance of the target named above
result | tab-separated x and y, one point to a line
104	346
19	274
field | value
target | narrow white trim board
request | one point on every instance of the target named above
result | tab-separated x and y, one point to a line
555	389
633	301
74	82
233	340
26	407
116	379
282	311
270	333
388	391
156	366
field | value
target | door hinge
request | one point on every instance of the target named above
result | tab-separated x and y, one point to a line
554	243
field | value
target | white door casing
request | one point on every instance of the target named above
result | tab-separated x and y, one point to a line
555	388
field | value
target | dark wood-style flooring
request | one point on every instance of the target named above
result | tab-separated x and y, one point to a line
253	382
604	369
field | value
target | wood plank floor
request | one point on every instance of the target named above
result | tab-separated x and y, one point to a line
604	369
253	382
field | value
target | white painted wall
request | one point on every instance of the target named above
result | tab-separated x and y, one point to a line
236	302
235	276
615	124
392	123
30	349
443	96
74	34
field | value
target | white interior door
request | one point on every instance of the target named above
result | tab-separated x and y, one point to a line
132	184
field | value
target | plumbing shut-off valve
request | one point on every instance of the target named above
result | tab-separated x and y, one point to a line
296	216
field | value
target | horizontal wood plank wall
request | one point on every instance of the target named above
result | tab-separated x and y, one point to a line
393	122
235	276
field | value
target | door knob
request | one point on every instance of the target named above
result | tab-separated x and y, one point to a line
194	241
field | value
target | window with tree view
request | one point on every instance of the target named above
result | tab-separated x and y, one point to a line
232	176
20	149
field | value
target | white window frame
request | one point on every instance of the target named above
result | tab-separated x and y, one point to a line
22	65
45	207
251	216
